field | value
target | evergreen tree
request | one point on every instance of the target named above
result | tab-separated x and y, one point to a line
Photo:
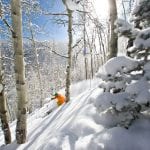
126	79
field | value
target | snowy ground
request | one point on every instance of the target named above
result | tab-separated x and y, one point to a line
79	125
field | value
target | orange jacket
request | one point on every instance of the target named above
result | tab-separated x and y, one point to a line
60	99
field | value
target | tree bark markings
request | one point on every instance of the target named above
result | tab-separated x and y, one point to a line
16	13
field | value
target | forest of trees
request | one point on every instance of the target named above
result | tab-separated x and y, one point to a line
32	69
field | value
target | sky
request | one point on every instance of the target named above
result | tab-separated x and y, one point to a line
59	32
49	29
52	30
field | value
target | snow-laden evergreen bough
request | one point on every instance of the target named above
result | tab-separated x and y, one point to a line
126	79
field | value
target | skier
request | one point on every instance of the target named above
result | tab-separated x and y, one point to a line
60	99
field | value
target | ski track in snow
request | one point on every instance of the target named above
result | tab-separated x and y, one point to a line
67	112
49	127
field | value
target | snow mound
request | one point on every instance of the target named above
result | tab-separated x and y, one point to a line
115	65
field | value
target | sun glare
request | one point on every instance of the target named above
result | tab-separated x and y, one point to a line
101	7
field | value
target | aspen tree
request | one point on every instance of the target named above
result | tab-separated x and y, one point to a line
16	13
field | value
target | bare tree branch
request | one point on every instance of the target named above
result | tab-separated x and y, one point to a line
75	45
55	14
4	20
49	48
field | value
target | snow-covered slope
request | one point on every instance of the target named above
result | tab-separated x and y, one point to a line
79	125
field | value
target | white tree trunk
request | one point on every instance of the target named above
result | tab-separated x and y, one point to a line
3	109
68	69
113	41
19	71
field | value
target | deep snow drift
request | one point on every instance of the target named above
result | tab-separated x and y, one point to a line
80	125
